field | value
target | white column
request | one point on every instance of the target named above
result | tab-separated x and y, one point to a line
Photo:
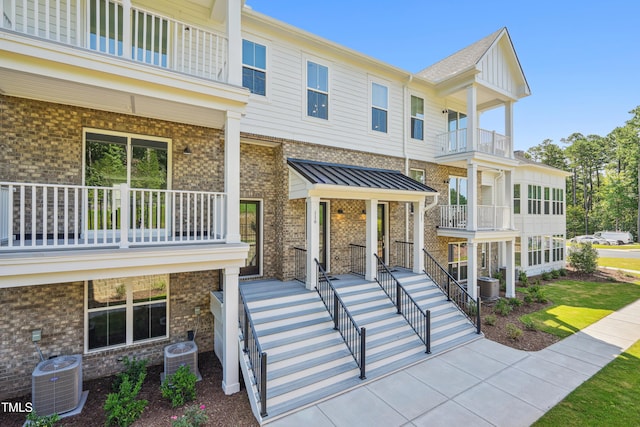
511	269
232	175
234	36
372	239
472	119
472	269
508	125
508	196
313	240
230	368
472	196
418	236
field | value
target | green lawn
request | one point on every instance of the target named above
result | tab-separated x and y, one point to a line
579	304
609	398
620	247
626	263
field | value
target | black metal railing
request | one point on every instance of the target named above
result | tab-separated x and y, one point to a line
358	259
455	291
418	319
404	254
354	337
257	357
300	264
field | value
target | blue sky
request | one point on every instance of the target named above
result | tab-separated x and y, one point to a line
581	58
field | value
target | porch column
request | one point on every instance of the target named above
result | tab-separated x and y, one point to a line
313	240
472	269
234	37
508	125
418	236
511	269
232	175
508	196
472	196
230	370
472	119
372	240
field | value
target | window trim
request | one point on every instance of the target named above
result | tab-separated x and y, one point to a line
459	263
260	236
129	305
373	80
305	88
517	200
265	70
421	171
412	117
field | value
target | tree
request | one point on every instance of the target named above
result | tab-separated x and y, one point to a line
550	154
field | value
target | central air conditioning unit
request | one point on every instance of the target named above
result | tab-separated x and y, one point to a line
182	353
56	385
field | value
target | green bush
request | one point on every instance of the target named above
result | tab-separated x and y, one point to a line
528	299
503	307
563	272
546	276
523	279
513	331
584	258
122	408
179	387
514	302
34	420
133	369
529	324
555	274
194	416
537	294
490	319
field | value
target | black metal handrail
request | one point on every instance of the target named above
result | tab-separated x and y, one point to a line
455	291
257	357
404	254
418	319
358	259
354	337
300	264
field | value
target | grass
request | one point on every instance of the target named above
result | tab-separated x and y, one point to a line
619	247
576	304
609	398
626	263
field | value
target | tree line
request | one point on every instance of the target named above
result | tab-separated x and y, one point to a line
603	189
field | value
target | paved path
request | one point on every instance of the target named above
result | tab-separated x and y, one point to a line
479	384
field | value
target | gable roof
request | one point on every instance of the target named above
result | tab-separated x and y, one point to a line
356	176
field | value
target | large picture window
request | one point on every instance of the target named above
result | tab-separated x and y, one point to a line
317	90
254	67
126	310
457	190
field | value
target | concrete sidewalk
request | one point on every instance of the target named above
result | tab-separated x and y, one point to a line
479	384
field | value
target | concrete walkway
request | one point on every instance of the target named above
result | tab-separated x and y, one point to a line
479	384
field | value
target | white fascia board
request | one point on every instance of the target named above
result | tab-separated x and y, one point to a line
45	267
362	193
478	236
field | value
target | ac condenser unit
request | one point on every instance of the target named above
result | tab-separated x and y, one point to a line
56	385
182	353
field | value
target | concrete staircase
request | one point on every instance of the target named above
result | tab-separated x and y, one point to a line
308	360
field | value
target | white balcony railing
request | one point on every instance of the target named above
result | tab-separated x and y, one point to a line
489	217
488	142
110	27
43	216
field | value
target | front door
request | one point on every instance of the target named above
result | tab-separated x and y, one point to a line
250	233
322	252
383	227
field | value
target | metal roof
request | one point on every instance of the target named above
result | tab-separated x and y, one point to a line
356	176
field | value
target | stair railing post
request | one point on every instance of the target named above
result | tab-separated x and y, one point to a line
398	298
335	311
245	333
363	356
263	384
478	327
448	288
428	331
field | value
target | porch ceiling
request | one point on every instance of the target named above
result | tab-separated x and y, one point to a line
338	181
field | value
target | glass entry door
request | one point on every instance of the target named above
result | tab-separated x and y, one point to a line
250	233
322	253
382	231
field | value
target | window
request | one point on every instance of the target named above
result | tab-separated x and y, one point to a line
547	248
516	198
251	233
126	310
558	247
518	250
457	190
457	127
458	261
317	91
417	174
558	201
535	250
535	196
379	106
417	118
546	200
254	67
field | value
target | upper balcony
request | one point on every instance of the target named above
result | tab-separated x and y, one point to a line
488	142
490	220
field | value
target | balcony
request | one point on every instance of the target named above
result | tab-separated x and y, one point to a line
111	28
488	142
490	218
48	216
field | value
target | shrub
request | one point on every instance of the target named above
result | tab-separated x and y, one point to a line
513	331
515	302
584	258
490	319
529	323
34	420
546	276
528	299
537	294
179	387
133	369
563	272
555	274
122	408
194	416
503	307
522	278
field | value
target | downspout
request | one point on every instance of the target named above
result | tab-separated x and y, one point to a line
433	204
405	142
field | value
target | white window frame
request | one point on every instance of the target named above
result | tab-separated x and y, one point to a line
260	235
305	88
387	86
267	80
459	263
412	117
534	251
415	171
534	199
129	305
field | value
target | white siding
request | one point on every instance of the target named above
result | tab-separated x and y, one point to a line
498	69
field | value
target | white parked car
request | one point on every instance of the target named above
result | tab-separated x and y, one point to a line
590	239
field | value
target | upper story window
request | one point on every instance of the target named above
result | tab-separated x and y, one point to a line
417	118
535	199
254	67
516	198
546	200
317	90
456	126
417	174
379	107
457	190
558	201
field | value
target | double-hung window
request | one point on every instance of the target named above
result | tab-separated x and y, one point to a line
317	90
535	250
254	67
535	196
126	310
458	261
379	107
417	174
417	118
516	198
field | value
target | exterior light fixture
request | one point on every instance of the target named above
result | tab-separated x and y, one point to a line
186	151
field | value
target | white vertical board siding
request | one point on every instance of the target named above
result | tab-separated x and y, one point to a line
497	69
